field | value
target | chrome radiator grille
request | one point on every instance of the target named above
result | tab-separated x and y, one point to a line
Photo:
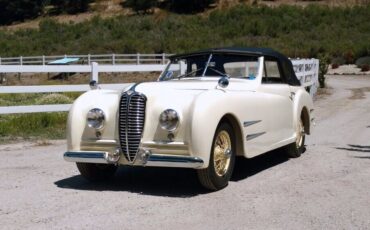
131	123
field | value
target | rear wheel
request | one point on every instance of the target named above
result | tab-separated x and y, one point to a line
222	159
96	172
295	149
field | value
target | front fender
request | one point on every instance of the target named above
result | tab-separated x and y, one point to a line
208	110
77	129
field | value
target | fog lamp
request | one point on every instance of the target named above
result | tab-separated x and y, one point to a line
169	120
95	118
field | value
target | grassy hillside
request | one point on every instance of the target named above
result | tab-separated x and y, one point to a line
296	31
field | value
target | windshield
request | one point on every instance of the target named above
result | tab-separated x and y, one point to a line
212	65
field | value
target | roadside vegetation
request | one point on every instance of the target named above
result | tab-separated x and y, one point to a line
296	31
33	126
21	10
36	125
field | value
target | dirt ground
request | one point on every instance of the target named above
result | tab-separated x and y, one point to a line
326	188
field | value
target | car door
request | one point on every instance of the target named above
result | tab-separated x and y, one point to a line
278	103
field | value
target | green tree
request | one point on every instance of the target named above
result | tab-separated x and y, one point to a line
70	6
189	6
323	69
140	6
20	10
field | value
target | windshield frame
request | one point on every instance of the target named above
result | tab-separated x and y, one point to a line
204	70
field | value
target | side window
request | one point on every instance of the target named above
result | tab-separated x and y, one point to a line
272	73
245	69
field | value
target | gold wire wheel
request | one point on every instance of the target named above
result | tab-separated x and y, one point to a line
222	153
300	134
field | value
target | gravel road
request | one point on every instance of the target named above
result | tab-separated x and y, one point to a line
328	187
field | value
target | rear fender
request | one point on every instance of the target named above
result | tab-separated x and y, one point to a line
302	104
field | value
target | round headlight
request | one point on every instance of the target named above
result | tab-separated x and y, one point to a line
169	120
95	118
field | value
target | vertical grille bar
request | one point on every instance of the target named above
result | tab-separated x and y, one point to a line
131	123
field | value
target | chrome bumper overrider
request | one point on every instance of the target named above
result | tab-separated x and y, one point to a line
148	159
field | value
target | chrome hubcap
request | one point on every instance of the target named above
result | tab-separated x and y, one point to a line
222	153
300	134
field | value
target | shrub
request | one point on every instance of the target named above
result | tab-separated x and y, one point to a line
349	57
334	66
18	99
189	6
54	99
70	6
363	61
365	68
140	6
338	61
323	69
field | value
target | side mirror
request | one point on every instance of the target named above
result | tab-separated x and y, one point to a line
223	82
93	85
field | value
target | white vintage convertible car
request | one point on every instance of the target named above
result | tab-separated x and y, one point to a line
206	108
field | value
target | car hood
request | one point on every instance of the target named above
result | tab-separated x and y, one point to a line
191	86
182	94
180	86
172	94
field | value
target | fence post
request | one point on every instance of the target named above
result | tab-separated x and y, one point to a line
304	70
0	60
163	58
137	59
113	59
21	63
43	59
317	70
88	59
94	72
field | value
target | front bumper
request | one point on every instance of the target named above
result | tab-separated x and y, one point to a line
149	159
87	157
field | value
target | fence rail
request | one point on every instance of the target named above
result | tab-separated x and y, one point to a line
305	69
111	59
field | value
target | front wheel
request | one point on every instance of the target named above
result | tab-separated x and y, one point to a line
96	172
295	149
222	159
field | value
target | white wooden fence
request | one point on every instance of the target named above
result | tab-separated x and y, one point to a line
111	59
94	69
306	71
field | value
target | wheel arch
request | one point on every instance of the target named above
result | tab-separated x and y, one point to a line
306	120
302	106
235	124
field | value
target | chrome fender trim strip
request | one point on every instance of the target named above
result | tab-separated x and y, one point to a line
249	123
252	136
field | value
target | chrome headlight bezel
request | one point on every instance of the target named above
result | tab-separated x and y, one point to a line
169	120
95	119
